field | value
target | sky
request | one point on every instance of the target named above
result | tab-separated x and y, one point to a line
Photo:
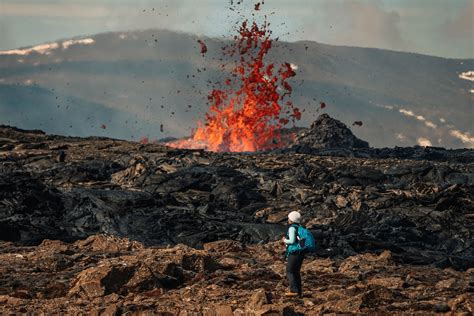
442	28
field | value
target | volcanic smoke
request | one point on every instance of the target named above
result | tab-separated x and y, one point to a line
248	113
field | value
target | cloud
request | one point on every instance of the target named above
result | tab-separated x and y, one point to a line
456	32
368	23
6	33
462	25
361	23
70	10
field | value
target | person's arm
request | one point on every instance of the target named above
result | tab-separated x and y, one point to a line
292	235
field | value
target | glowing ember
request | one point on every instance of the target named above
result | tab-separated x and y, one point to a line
203	47
250	117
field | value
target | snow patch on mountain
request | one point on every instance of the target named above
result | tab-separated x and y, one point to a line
466	138
84	41
47	48
43	49
468	75
420	118
425	142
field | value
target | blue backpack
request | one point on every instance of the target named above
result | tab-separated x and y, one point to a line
305	242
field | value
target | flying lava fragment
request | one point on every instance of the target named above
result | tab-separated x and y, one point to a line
357	123
203	46
248	111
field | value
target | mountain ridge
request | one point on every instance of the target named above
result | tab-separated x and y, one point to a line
402	98
85	36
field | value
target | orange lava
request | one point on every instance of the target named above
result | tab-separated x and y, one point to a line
247	118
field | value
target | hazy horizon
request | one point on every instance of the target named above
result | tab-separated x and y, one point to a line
440	28
82	36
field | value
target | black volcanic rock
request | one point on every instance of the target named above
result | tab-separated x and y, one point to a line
416	202
327	132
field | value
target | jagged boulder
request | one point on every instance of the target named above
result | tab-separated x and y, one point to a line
327	132
140	271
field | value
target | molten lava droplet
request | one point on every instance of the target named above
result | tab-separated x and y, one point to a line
203	47
322	104
358	123
247	114
257	6
296	114
103	126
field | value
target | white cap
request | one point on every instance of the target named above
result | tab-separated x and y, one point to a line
294	216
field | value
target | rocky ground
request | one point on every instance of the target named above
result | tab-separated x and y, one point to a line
401	215
105	275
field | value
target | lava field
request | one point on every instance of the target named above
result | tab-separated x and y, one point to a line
110	226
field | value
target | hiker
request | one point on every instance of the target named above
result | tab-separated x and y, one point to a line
298	241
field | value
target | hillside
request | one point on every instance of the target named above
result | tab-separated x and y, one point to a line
143	79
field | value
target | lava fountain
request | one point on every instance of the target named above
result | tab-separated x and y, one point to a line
248	112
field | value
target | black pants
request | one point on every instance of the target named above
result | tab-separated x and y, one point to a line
293	268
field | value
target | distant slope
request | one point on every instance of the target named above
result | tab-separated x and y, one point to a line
35	107
154	77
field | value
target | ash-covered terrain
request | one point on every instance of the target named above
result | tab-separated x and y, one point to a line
110	226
